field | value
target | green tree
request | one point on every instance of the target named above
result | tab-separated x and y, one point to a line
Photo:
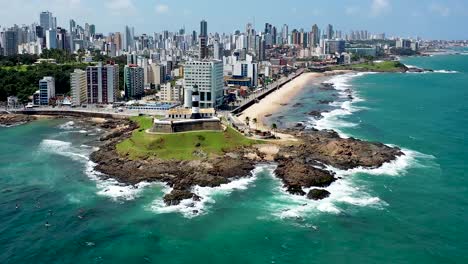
247	120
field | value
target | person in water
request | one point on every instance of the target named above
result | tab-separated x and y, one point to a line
47	225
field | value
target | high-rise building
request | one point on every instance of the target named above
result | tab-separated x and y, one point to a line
128	39
46	90
315	36
10	42
102	83
208	75
156	74
334	46
46	20
203	40
62	39
218	50
51	39
330	32
78	84
118	41
285	33
134	81
92	30
72	35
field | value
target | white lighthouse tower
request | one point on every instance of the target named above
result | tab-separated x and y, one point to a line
195	103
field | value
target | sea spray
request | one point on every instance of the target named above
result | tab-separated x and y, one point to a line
106	186
344	191
190	208
332	119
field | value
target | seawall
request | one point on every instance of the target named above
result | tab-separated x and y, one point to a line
71	113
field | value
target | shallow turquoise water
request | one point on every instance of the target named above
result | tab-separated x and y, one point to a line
412	211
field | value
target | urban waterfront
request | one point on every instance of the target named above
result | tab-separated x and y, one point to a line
410	211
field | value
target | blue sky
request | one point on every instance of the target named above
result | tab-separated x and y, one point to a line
432	19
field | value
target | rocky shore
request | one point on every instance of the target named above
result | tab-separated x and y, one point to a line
14	119
300	165
181	176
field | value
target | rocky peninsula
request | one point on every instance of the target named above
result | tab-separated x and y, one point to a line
301	165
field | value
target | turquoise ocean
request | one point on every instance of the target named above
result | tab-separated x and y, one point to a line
413	210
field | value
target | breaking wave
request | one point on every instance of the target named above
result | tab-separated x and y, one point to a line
332	119
106	187
344	191
189	208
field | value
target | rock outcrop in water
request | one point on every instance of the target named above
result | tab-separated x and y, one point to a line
303	165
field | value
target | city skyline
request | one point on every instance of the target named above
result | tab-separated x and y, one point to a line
426	19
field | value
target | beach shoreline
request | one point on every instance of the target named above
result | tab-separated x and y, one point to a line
272	103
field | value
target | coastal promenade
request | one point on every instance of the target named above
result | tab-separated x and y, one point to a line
259	95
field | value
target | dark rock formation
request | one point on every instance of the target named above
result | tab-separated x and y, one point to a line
318	194
315	113
300	165
14	119
325	101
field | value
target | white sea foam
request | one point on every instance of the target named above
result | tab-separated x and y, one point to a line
106	187
189	208
63	148
332	119
112	188
445	71
343	191
67	126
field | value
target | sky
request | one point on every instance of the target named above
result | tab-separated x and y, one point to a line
429	19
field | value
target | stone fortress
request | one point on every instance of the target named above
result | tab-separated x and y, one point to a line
188	119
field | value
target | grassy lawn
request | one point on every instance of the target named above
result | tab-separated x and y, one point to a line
385	66
179	146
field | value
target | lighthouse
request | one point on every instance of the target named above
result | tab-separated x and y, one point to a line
195	103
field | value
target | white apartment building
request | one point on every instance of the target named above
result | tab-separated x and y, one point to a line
78	87
208	75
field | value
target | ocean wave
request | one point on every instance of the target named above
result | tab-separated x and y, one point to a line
396	167
63	148
285	205
333	119
67	126
106	187
112	188
189	208
445	71
343	191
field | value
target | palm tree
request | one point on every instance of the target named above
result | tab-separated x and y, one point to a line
255	122
247	120
274	127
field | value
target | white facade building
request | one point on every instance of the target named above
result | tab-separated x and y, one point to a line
208	75
78	87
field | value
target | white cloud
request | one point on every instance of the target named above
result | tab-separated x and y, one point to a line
162	8
378	7
121	7
439	9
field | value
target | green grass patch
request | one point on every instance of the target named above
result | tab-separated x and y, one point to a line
385	66
180	146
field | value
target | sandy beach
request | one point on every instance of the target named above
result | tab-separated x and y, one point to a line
270	104
275	100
